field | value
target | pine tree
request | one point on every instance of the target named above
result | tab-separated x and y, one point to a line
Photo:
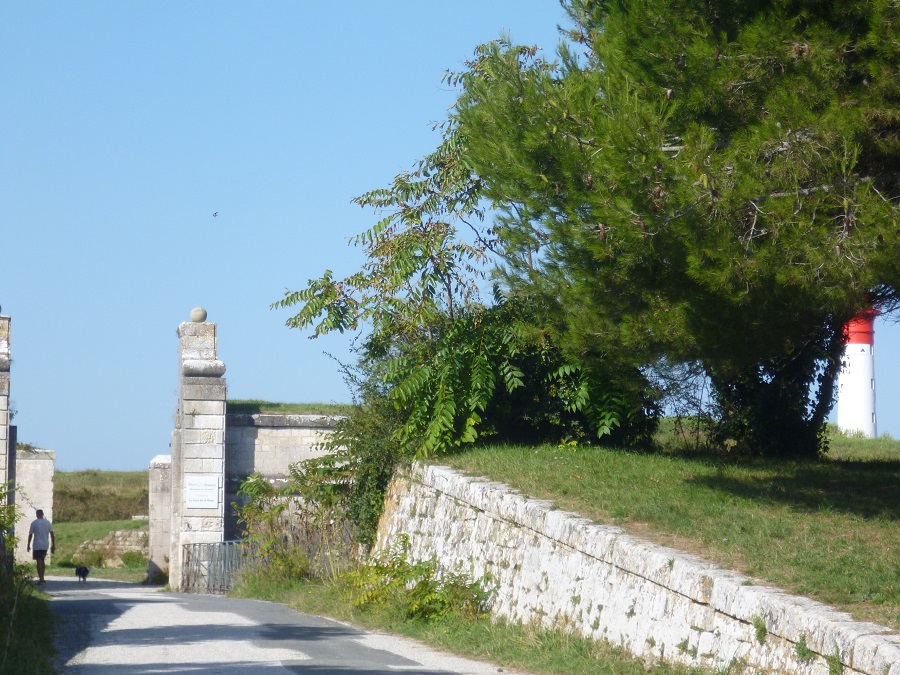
710	182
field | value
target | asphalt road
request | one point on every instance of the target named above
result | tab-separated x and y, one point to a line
116	628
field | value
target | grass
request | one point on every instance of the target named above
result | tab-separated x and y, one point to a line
253	407
82	496
510	646
827	530
26	646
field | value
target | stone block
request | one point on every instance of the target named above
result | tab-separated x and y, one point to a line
203	408
161	462
199	537
202	436
211	390
192	465
214	466
203	524
204	451
190	329
203	422
202	367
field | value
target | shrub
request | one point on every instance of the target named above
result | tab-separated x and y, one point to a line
416	590
134	559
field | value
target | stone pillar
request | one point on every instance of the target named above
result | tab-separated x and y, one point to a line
198	442
34	490
160	517
6	451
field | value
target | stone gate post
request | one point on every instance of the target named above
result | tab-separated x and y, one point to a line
198	443
6	450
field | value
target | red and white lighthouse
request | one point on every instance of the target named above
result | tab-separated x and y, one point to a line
856	381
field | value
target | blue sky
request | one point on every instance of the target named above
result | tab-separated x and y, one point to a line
125	125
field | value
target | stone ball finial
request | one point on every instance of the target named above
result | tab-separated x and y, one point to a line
198	315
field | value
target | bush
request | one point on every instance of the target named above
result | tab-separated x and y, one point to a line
416	590
25	621
134	559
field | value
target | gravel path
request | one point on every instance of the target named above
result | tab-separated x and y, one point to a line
116	628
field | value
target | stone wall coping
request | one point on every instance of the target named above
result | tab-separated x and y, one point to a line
273	420
161	462
865	647
26	454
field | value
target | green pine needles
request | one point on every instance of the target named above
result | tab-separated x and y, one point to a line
708	188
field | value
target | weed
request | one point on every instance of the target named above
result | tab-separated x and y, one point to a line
835	666
684	648
802	650
759	626
417	590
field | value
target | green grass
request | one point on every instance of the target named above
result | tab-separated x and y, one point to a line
82	496
509	646
28	647
827	530
253	407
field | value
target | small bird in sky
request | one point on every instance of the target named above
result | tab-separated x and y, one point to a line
216	214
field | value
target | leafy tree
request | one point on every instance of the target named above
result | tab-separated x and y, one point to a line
442	356
711	183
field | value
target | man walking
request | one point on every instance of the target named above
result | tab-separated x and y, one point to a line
41	535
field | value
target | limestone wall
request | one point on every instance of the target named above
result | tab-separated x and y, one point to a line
113	545
34	490
5	448
558	569
159	546
268	444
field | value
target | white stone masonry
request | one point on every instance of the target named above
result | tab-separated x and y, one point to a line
5	450
557	569
198	443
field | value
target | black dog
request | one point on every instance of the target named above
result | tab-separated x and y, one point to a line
82	573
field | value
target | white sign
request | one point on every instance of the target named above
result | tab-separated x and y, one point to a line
201	491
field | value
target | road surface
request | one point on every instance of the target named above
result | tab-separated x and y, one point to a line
117	628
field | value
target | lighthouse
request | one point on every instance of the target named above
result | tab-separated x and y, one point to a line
856	381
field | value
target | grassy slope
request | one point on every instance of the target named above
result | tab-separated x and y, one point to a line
827	530
88	505
92	495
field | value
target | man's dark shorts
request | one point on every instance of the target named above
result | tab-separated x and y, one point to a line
39	555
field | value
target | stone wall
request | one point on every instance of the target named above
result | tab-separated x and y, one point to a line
6	449
265	443
160	498
113	545
268	444
34	490
560	570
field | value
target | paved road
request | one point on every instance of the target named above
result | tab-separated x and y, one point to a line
116	628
